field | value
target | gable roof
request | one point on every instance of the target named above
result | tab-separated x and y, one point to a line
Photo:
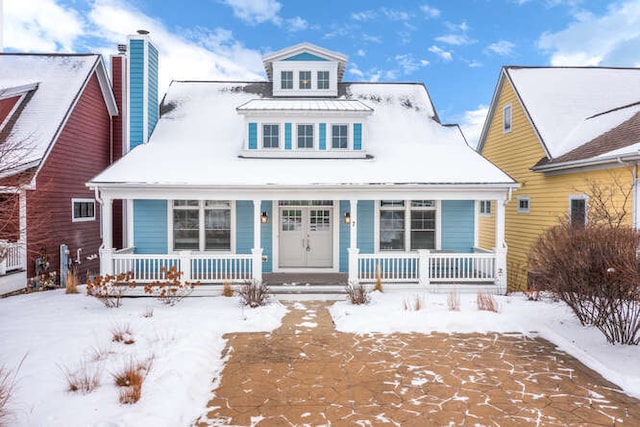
53	83
406	145
567	106
304	50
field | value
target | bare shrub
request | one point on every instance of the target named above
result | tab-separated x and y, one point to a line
357	293
130	378
595	270
123	334
171	290
109	289
254	293
453	301
84	380
415	303
72	282
7	387
515	277
227	289
100	352
148	313
378	284
486	302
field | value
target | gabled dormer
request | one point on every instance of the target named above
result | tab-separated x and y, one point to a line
305	70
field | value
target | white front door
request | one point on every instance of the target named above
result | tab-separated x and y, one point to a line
306	237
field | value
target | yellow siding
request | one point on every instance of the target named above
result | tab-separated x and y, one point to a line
487	229
516	153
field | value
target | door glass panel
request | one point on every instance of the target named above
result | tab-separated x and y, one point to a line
291	220
320	220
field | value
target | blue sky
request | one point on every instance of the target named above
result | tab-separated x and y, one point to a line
456	47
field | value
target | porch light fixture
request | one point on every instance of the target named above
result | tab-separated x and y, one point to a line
264	218
347	218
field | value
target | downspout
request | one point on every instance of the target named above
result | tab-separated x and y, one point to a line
101	202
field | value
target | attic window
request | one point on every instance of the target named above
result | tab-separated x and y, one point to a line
305	79
506	118
286	79
323	80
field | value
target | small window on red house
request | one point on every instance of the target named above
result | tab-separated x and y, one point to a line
83	210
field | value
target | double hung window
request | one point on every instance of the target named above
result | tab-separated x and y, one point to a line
339	137
203	225
270	136
407	224
305	79
286	79
305	136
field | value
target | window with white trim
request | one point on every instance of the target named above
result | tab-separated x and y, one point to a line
407	224
305	80
339	136
323	80
578	210
506	119
83	210
286	79
305	136
485	207
524	204
202	225
270	136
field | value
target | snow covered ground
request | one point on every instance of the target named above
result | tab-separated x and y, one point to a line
55	333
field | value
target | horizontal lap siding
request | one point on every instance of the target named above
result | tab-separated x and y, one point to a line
516	152
80	153
152	90
150	226
244	226
266	237
136	93
458	225
345	236
487	229
366	229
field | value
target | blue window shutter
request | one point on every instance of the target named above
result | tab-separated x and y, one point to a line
323	136
357	136
253	136
287	136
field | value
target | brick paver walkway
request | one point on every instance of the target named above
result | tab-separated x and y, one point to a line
307	373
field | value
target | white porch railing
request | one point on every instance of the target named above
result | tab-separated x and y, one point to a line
427	267
15	258
206	268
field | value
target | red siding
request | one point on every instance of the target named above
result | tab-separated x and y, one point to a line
6	105
117	75
81	152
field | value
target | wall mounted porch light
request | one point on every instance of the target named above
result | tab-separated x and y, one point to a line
347	218
264	218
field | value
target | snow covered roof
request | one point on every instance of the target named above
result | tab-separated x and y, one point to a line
52	83
562	101
304	105
199	138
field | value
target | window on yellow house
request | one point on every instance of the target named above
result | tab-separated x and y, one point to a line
506	119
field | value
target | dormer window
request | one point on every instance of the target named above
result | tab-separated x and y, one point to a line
286	79
323	80
305	80
339	137
270	136
305	136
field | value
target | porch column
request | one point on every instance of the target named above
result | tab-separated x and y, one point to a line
353	242
256	251
501	248
106	251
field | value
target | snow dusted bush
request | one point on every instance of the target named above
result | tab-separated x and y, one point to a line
253	293
171	290
109	289
357	293
595	270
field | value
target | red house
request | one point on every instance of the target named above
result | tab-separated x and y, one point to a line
56	133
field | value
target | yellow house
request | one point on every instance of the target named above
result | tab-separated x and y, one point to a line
570	136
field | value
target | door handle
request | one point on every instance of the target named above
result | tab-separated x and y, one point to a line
308	247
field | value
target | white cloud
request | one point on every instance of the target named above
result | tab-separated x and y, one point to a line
365	15
455	39
361	52
429	12
445	55
475	64
297	24
40	25
395	15
610	39
256	11
409	63
502	48
472	122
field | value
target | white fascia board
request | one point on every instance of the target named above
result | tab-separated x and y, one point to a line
11	91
